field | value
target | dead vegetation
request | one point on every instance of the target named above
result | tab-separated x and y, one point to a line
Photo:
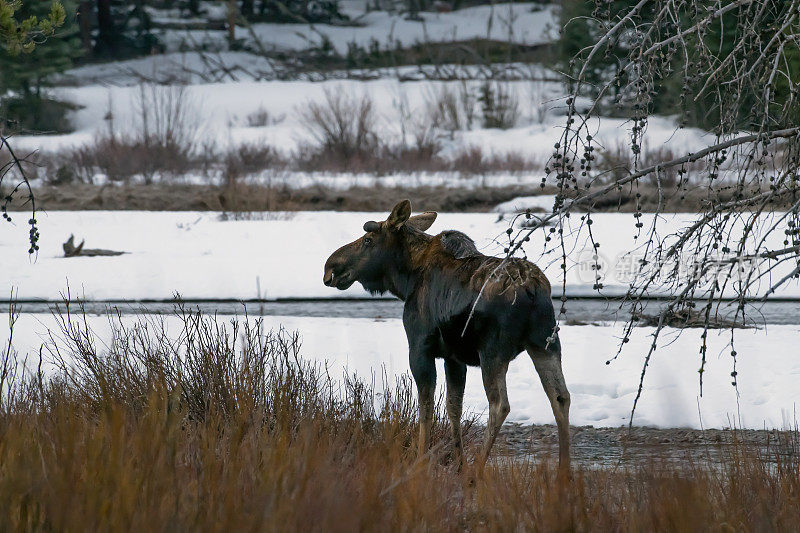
238	195
125	159
688	318
219	426
341	133
243	197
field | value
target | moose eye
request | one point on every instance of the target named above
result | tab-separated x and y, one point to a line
367	241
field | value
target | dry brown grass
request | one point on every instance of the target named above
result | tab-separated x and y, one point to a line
221	427
127	159
243	197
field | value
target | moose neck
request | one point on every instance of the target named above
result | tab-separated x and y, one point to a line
403	277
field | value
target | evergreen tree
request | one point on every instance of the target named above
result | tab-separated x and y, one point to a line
24	75
124	29
19	34
300	11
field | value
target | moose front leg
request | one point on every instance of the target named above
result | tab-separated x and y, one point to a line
423	368
456	374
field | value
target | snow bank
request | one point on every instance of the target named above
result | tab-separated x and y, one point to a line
200	256
602	395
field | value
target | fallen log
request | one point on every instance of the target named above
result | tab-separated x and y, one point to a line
70	250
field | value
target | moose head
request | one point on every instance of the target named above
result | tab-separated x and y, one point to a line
372	258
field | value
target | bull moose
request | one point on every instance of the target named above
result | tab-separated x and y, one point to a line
464	307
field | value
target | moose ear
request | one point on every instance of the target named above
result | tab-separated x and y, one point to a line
423	221
399	214
371	226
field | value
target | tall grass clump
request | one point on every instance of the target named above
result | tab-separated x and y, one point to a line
188	422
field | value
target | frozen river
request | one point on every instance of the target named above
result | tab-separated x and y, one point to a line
579	310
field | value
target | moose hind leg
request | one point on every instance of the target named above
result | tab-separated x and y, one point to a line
494	381
456	374
548	366
423	368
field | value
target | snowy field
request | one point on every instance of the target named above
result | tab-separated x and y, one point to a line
199	256
521	23
602	395
218	114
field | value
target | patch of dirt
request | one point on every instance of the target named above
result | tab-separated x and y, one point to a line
243	198
688	318
162	197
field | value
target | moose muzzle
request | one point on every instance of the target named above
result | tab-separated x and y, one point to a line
337	274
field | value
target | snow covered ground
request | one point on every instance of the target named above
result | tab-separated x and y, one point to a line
183	67
218	114
602	395
200	256
521	23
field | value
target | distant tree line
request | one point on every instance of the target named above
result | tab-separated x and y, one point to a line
288	10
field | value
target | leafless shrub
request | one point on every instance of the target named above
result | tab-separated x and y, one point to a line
164	140
418	130
168	117
250	158
616	162
344	126
613	162
451	108
426	142
16	393
120	158
262	117
536	91
499	105
470	161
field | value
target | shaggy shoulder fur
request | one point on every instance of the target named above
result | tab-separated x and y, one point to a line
459	244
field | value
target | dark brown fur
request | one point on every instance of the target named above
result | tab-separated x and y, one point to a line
462	306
